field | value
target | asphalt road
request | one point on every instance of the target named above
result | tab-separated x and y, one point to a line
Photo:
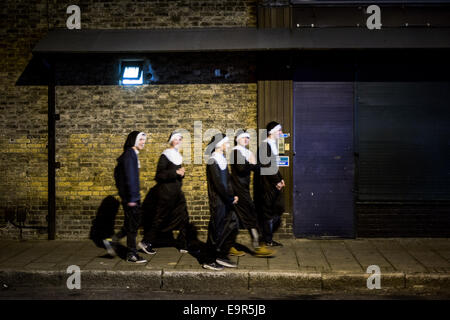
132	294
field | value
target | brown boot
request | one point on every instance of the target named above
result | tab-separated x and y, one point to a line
262	251
235	252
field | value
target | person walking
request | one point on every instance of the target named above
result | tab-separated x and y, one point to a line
223	224
269	185
126	175
243	163
170	210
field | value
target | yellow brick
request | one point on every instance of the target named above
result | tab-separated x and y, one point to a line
63	184
86	184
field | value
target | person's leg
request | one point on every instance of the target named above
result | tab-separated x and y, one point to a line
133	221
181	223
119	235
266	229
207	257
229	241
276	222
151	235
254	235
182	241
122	232
111	243
277	212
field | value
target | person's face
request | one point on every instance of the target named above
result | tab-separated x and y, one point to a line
225	147
276	135
243	141
141	143
176	143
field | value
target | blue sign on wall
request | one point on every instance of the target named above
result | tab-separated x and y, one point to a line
283	161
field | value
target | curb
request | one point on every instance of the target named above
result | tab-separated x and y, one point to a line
243	281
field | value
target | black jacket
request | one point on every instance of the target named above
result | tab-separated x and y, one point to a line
127	177
126	172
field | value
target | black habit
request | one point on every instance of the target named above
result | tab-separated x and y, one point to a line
166	209
269	201
240	178
223	225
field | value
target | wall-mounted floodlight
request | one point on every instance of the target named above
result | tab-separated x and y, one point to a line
132	73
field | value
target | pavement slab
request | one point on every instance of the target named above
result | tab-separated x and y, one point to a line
13	250
339	257
367	255
249	262
166	258
187	261
439	246
284	259
426	257
310	256
397	256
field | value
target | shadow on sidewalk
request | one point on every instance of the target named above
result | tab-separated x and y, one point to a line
103	223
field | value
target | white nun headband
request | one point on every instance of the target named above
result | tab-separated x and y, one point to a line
243	135
221	142
276	128
139	136
175	136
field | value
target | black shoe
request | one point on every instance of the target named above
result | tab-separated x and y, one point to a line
226	262
273	244
146	247
212	266
135	258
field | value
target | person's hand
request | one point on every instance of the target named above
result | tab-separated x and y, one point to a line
280	185
132	204
236	199
283	184
181	171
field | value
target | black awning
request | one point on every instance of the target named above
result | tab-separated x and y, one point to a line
238	39
368	2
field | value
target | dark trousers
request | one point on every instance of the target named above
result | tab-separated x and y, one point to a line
130	227
270	212
212	252
269	227
222	232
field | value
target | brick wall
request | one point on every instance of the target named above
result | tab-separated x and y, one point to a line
96	114
23	116
96	119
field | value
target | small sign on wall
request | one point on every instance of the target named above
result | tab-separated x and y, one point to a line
283	161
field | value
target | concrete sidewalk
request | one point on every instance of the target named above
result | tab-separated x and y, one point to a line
300	266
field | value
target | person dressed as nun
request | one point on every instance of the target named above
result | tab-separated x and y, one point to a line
170	211
269	184
126	175
223	225
243	163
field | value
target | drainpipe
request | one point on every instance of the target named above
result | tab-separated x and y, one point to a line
52	117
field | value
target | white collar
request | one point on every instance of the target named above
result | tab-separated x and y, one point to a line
220	159
273	145
173	155
135	150
244	151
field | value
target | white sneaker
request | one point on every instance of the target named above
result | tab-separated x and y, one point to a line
212	266
109	248
146	247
